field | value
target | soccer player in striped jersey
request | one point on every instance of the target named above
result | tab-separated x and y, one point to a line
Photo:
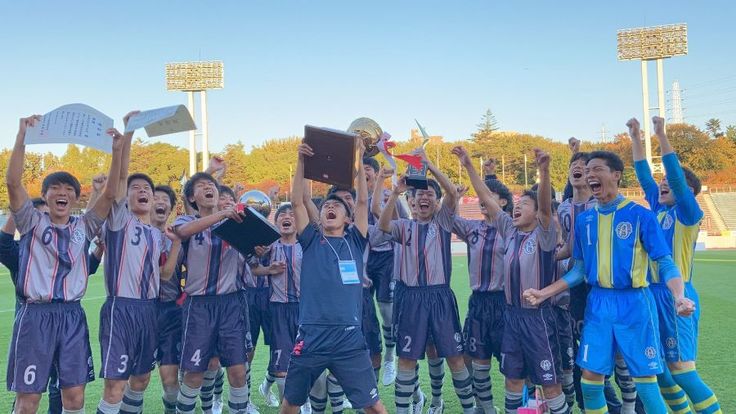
428	306
282	266
483	327
51	327
380	268
214	314
169	313
613	244
679	215
329	335
529	346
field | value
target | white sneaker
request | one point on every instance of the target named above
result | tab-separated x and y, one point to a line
389	373
217	405
438	409
418	407
271	400
346	404
251	408
306	408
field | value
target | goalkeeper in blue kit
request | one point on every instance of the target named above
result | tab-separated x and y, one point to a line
612	248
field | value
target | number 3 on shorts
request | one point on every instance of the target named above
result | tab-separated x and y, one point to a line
196	358
29	376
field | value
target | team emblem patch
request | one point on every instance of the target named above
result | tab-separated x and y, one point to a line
431	232
570	352
458	337
78	236
650	352
530	246
667	222
671	342
546	365
623	230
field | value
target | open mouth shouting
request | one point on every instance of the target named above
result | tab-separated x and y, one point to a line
595	186
62	202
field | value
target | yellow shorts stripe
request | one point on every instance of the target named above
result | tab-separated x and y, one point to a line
682	371
700	406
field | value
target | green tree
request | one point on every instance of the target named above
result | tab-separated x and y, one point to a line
731	132
713	126
486	128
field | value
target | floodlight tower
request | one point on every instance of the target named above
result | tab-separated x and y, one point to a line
193	77
646	44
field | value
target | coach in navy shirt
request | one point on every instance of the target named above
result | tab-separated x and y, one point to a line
330	313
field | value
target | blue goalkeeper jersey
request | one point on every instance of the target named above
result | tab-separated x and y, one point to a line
616	241
680	222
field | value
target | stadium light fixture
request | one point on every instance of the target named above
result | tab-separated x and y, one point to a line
193	77
652	43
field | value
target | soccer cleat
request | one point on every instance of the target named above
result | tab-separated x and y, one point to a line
217	405
389	373
437	409
306	409
271	400
251	408
418	407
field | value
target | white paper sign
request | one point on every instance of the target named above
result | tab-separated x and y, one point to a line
162	121
73	124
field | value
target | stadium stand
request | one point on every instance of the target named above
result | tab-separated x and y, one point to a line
725	205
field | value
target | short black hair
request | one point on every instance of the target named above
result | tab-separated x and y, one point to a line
189	186
340	200
334	189
139	176
533	195
60	177
585	156
223	189
372	162
612	160
282	209
430	183
169	192
503	193
692	180
38	202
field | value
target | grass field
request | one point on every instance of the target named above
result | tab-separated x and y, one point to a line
714	280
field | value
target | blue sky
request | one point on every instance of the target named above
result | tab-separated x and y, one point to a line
545	67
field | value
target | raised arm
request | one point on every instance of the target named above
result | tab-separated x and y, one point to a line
449	200
361	204
687	206
98	185
103	204
484	194
122	189
168	269
14	178
544	196
297	189
217	168
384	222
377	197
641	165
312	210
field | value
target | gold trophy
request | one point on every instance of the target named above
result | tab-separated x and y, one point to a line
369	131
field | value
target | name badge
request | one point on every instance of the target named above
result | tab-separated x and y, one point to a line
349	272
